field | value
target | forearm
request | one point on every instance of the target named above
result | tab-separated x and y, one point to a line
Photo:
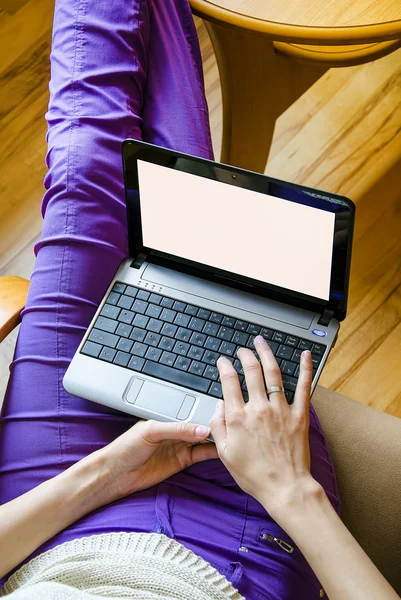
342	567
33	518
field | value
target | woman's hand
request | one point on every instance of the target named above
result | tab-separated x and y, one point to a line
264	442
150	452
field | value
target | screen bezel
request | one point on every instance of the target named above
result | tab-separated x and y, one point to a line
342	207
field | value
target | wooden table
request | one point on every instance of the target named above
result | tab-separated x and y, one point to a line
269	52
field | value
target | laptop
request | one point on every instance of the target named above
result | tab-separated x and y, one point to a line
218	255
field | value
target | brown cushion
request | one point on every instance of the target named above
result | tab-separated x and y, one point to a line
365	445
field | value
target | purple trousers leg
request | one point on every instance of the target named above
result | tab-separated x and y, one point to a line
123	69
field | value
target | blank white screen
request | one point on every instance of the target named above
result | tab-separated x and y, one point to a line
241	231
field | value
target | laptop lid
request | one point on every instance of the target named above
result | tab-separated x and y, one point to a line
272	238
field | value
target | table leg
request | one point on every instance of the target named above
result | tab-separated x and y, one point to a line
257	85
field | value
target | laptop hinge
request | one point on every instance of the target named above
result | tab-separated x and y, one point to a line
138	261
326	317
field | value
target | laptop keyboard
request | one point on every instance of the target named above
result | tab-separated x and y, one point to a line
180	343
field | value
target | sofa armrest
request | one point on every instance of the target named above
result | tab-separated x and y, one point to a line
13	292
365	445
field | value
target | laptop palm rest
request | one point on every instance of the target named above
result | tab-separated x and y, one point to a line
160	399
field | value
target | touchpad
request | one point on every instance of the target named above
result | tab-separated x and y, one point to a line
159	399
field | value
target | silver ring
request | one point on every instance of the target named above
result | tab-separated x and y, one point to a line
274	388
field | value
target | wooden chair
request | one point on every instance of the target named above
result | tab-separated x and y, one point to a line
366	448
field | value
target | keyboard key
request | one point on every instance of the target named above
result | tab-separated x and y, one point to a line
136	363
316	360
131	291
168	358
125	302
169	329
140	321
216	317
91	349
241	325
318	349
226	333
183	334
196	367
198	338
267	333
215	390
182	319
228	322
107	354
227	348
153	354
203	313
181	348
210	328
179	306
279	337
125	345
167	302
195	353
211	373
138	334
119	287
143	295
238	367
139	349
191	310
153	311
124	329
289	396
121	359
305	345
196	324
182	378
166	343
139	306
168	315
110	311
284	352
182	363
104	338
254	329
210	357
212	343
287	367
250	343
155	298
106	324
152	339
273	346
296	357
113	298
296	374
126	316
154	325
292	341
290	383
240	338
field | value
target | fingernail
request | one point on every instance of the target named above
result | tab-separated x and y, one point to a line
222	359
259	339
202	431
306	354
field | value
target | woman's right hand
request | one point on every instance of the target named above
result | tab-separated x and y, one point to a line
264	442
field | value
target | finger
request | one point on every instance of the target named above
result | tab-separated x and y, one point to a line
271	370
232	393
253	375
204	452
218	425
302	393
157	431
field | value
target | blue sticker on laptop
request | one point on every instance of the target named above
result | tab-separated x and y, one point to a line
319	332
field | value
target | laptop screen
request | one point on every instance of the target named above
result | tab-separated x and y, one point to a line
252	234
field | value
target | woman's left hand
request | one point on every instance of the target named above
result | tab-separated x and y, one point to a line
150	452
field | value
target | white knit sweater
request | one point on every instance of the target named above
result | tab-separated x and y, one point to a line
119	565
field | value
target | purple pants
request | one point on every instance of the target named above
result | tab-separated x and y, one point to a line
119	69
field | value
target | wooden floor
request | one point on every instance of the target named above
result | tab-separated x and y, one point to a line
343	135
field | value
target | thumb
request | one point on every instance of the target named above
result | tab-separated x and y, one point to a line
157	431
218	425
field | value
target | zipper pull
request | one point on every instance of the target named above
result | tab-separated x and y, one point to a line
284	545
